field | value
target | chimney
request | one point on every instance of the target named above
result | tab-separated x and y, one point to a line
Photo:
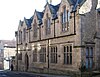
50	1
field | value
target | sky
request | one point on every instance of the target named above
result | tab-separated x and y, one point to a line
11	11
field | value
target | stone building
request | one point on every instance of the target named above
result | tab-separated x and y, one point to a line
65	35
7	51
1	55
9	54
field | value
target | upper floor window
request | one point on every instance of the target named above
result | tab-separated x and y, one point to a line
67	54
35	29
20	36
42	54
24	34
48	25
53	55
65	16
29	36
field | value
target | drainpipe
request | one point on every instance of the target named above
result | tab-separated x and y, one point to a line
54	27
16	35
74	24
48	55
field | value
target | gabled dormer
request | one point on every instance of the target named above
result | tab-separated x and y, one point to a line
64	14
20	32
50	14
28	22
36	23
20	25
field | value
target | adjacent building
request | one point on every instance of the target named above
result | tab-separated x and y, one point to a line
7	53
1	55
63	37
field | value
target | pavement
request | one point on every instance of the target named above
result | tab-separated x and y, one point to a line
8	73
42	75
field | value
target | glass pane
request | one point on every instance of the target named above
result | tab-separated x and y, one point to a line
91	62
65	15
67	49
70	48
87	52
91	52
70	58
65	58
68	15
87	63
64	49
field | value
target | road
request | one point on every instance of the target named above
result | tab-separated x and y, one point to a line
20	74
15	74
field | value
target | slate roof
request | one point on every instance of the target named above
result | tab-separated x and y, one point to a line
54	10
75	3
39	16
28	22
98	10
21	23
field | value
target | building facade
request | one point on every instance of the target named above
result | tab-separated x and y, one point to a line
63	35
9	54
1	55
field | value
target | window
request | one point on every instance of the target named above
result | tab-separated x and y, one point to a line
35	55
20	36
29	36
42	54
35	29
67	54
53	55
48	25
65	17
20	56
24	34
89	57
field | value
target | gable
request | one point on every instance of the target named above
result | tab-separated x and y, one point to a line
86	7
46	10
64	3
35	17
20	25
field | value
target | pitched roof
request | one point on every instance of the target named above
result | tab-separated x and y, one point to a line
28	22
75	3
54	10
39	16
21	23
10	43
98	10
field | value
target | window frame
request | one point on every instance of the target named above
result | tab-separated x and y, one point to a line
89	57
47	22
42	55
35	55
65	17
35	28
54	55
67	52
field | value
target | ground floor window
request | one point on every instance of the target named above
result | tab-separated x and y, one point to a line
53	55
35	55
89	57
67	54
42	54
